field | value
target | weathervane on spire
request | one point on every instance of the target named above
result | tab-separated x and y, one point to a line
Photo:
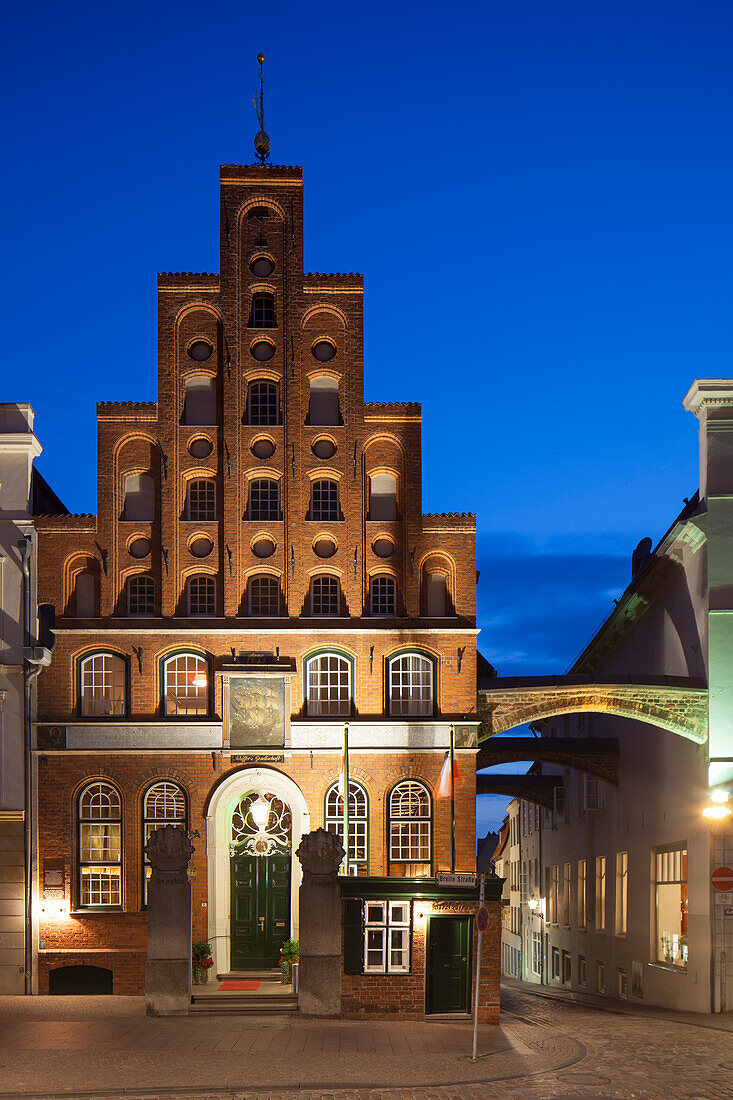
262	141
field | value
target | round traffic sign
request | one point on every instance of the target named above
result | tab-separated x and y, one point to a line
722	878
482	919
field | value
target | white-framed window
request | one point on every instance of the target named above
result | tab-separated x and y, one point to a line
100	845
600	893
556	963
582	896
325	596
671	905
201	499
263	595
387	926
622	892
383	595
559	806
264	499
262	403
411	684
358	821
140	595
102	679
324	504
164	804
592	793
328	685
537	953
201	595
410	822
186	685
139	498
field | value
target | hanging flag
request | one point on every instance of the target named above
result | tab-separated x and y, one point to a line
341	786
445	788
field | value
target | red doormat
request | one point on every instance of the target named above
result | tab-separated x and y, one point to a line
250	986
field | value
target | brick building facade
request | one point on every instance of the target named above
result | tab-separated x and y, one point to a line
258	588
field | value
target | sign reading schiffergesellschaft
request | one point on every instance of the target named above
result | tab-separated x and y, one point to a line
446	878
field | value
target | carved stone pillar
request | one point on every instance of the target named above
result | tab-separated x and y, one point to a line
168	966
319	970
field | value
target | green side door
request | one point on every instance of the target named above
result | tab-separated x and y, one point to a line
449	965
260	910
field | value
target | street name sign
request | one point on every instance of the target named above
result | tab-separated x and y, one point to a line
445	878
722	878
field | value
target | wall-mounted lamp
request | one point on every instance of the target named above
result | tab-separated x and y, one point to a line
719	807
260	810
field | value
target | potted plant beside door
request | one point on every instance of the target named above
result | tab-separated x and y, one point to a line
201	962
288	956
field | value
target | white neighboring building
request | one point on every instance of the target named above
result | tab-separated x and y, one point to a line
508	867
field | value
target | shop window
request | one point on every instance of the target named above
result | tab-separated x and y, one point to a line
323	408
140	596
201	500
85	595
436	596
382	497
262	403
387	926
139	498
263	311
383	595
263	595
358	823
328	685
199	403
410	829
411	684
264	499
671	906
324	504
100	846
600	894
622	892
201	595
102	682
186	686
324	596
163	804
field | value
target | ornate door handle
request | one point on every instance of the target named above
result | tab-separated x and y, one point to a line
261	922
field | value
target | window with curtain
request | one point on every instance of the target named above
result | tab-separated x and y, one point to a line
411	689
358	821
410	828
100	845
186	685
328	685
102	679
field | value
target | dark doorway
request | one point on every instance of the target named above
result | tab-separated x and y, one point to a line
79	980
260	910
449	965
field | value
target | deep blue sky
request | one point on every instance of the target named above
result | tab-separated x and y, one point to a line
538	194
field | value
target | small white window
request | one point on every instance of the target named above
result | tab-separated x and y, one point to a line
139	498
200	401
387	937
382	497
324	401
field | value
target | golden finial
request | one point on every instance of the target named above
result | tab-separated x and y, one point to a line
262	141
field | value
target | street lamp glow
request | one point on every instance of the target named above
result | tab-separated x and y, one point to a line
260	810
719	796
532	903
716	812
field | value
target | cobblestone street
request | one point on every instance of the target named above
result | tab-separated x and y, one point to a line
107	1047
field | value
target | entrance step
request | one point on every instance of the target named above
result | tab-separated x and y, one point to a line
272	975
243	1004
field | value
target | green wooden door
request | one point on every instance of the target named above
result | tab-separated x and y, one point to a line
260	910
449	964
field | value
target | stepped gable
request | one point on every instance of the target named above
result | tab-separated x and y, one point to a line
129	410
449	519
314	278
188	280
76	521
265	171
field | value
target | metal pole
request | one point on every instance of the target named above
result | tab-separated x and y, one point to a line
478	974
346	795
452	801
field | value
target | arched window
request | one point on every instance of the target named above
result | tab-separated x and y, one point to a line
140	595
139	498
85	595
102	679
163	804
201	595
262	404
186	685
199	406
324	400
263	311
325	596
382	497
411	687
264	499
328	685
100	845
263	595
201	499
410	818
358	822
383	595
324	501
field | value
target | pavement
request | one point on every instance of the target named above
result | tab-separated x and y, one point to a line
549	1045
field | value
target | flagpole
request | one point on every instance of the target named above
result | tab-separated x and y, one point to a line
452	800
346	794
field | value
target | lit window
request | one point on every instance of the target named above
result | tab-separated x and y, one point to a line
201	503
324	596
263	311
358	821
264	499
186	685
566	895
600	894
328	685
671	906
263	593
140	595
201	592
411	684
581	893
262	406
324	500
164	804
382	595
622	892
100	845
387	937
102	677
410	814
